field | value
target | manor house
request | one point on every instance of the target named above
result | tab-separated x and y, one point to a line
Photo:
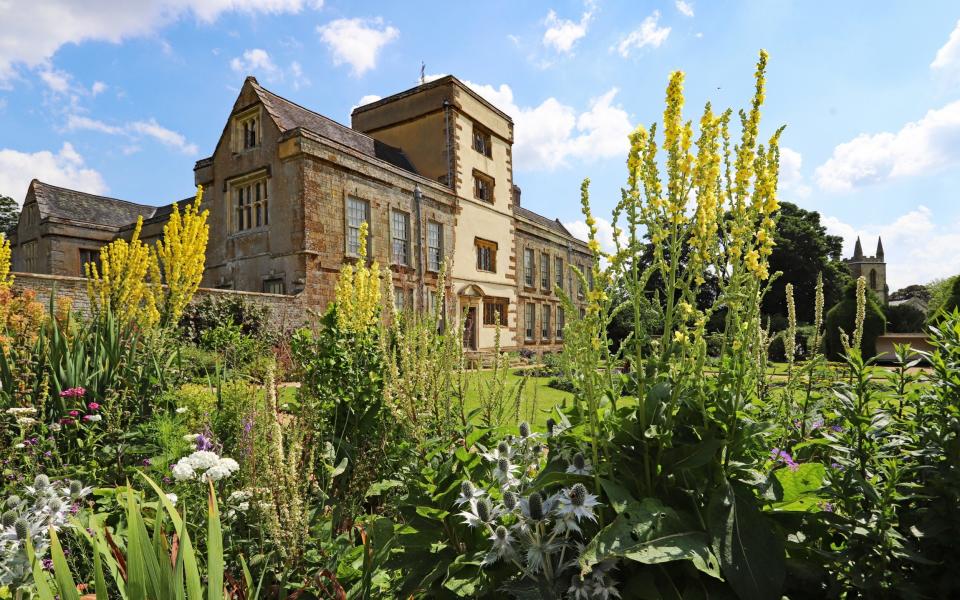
429	170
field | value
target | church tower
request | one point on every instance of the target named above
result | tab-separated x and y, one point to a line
872	268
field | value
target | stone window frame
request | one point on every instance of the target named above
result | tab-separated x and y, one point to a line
491	247
347	228
529	321
399	298
545	332
558	275
239	211
483	187
529	268
494	308
90	252
434	248
394	230
31	215
271	282
31	256
482	140
561	322
252	116
545	272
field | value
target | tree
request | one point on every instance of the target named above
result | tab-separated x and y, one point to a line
920	292
940	290
803	250
905	318
9	213
951	303
844	315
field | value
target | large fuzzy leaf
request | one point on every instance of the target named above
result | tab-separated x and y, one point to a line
751	554
651	533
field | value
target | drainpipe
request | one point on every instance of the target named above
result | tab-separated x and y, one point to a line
421	242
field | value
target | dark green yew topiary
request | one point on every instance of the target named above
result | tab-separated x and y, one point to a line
843	316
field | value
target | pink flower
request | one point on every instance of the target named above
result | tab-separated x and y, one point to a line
74	413
93	406
66	421
76	392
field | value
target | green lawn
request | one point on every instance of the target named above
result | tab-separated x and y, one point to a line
536	401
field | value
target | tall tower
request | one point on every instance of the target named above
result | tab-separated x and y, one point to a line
872	268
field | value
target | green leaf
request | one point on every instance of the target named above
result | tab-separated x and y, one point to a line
751	554
691	456
649	532
379	487
61	570
39	575
799	487
215	563
98	579
618	496
432	513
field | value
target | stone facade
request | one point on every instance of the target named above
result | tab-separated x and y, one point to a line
430	171
872	268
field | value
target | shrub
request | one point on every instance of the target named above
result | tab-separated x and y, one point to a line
905	318
236	348
843	316
210	312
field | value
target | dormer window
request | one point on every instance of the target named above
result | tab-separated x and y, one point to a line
248	131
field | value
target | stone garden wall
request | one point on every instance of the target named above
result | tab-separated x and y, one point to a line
285	312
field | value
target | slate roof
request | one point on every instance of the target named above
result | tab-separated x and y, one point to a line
290	115
543	221
81	207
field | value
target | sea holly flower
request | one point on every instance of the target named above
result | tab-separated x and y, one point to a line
502	547
468	493
579	465
480	513
573	505
504	472
501	451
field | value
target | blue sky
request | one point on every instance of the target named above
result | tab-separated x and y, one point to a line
121	98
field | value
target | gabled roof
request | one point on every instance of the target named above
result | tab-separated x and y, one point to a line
81	207
289	115
554	225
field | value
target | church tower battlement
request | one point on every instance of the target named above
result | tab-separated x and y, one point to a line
873	268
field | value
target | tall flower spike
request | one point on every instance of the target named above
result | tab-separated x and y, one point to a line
861	312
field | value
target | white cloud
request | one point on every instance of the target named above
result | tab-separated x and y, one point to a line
549	135
562	34
168	137
357	42
34	31
367	99
79	122
648	34
299	80
255	60
580	231
948	56
65	168
685	8
791	183
917	246
919	148
58	81
135	130
98	87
